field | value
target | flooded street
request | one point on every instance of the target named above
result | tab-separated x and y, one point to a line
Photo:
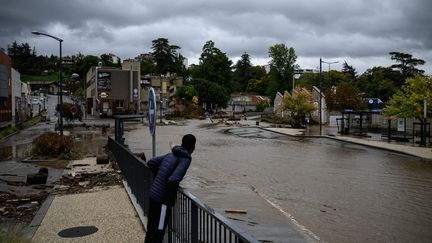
338	192
17	148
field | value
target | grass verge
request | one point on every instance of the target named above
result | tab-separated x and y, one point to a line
4	132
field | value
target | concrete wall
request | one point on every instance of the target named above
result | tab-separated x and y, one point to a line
16	91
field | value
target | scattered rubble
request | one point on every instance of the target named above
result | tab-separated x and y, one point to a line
20	208
81	176
38	178
88	181
102	159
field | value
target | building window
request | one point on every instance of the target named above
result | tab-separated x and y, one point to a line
119	104
3	101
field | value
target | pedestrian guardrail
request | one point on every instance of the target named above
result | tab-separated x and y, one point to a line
119	125
191	220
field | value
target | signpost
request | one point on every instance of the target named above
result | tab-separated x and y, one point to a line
73	110
151	104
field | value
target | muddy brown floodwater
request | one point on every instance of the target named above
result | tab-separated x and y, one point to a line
339	192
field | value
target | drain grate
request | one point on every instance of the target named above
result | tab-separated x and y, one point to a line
78	231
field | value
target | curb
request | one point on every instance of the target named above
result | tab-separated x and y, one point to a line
351	142
30	230
10	135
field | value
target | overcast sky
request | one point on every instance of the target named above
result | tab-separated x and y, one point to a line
361	32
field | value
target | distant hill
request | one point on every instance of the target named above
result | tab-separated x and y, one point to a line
50	77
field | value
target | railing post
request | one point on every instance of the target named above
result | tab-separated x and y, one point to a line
116	131
194	223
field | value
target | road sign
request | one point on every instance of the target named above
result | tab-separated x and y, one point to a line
73	110
152	110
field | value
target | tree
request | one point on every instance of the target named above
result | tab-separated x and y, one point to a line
148	67
408	102
24	58
179	67
164	55
67	111
406	64
298	104
186	92
262	105
257	72
258	86
243	71
214	66
282	65
81	68
308	80
211	93
344	96
350	71
380	82
108	61
84	64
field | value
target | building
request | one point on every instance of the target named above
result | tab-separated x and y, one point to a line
113	91
50	87
5	89
165	87
277	103
316	102
241	103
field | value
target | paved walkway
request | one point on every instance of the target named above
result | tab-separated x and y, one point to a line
106	216
422	152
103	214
331	132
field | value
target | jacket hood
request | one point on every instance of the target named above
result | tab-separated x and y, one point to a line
179	151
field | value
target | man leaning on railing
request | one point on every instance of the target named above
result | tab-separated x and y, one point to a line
168	170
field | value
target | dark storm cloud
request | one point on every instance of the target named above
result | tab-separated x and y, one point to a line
333	29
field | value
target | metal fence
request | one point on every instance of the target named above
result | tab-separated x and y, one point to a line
191	220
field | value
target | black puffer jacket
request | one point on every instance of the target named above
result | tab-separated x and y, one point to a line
168	170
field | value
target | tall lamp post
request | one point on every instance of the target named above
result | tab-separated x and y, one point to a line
320	100
60	79
329	63
296	75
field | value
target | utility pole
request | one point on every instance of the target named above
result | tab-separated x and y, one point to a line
320	97
424	127
60	122
160	97
320	101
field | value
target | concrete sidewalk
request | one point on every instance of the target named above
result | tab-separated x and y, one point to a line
104	215
409	149
101	213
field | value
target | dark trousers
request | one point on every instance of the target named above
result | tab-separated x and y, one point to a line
157	222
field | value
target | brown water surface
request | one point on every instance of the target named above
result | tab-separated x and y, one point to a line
340	192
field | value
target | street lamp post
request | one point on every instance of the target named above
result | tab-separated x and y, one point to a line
320	97
295	73
329	63
320	101
160	97
423	124
60	79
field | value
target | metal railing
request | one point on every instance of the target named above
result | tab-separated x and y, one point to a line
119	125
135	173
191	220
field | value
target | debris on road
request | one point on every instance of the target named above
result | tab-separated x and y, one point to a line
232	210
20	208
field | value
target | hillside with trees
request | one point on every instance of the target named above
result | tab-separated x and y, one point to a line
215	77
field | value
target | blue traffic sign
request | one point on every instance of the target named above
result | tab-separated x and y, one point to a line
151	104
